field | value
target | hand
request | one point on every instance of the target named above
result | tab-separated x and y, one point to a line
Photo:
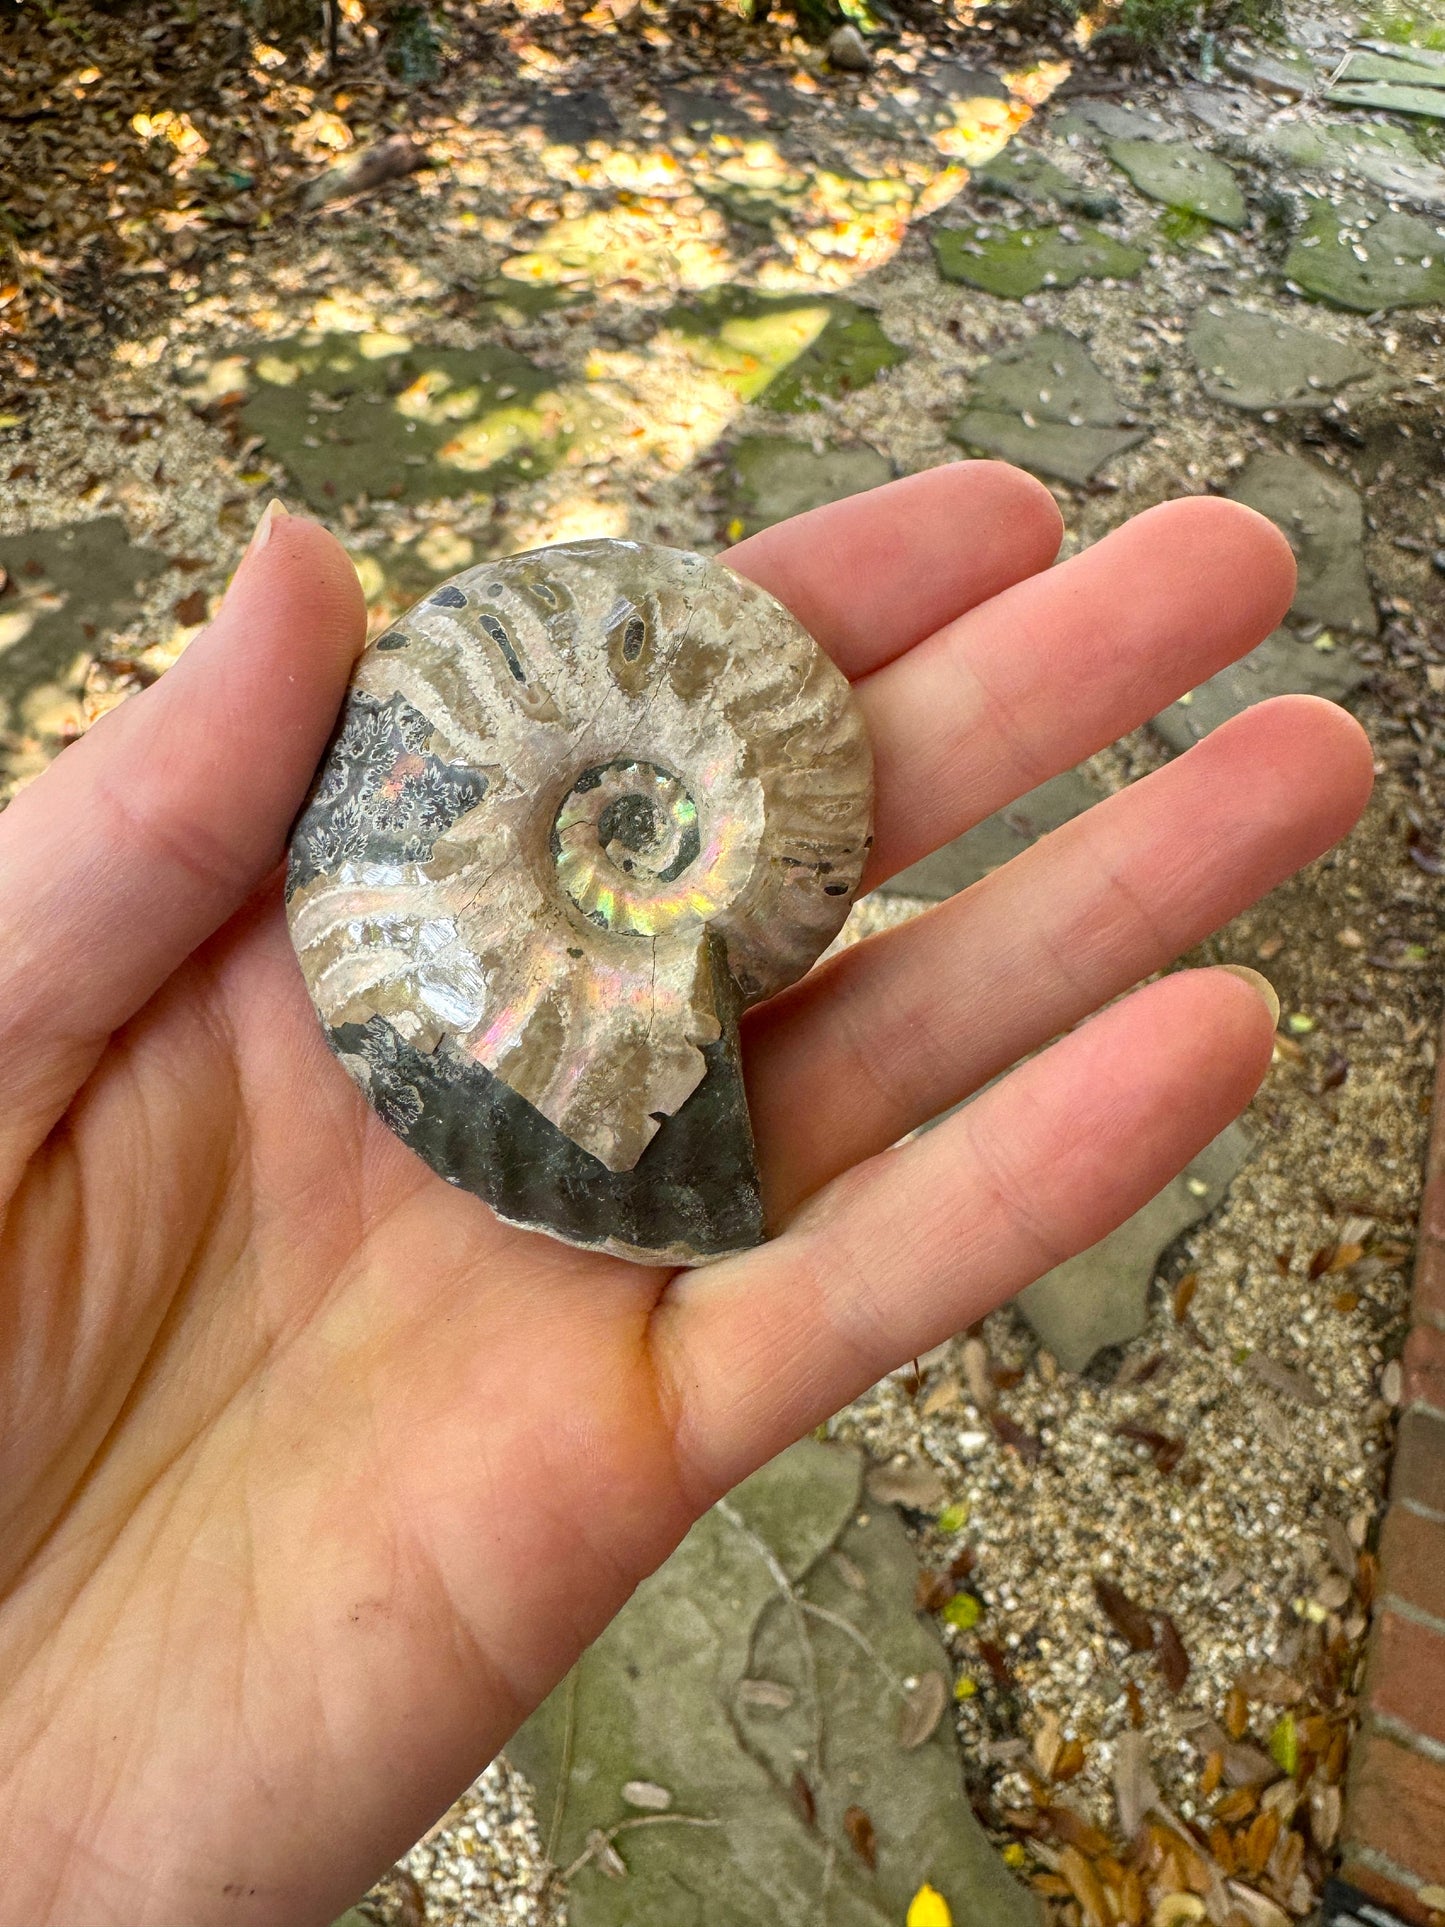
314	1477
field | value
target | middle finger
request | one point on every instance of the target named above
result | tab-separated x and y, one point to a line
1039	677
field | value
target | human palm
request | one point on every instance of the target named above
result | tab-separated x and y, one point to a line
314	1476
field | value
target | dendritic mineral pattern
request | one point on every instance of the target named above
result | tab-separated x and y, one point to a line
582	808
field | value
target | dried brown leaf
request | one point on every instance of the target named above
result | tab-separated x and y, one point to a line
1284	1379
1184	1295
1258	1843
1048	1744
1071	1829
993	1656
932	1591
1135	1789
191	609
1084	1885
1257	1910
918	1487
1130	1621
1070	1763
861	1836
1326	1804
1029	1448
1248	1766
1271	1685
803	1799
1174	1662
922	1710
1165	1451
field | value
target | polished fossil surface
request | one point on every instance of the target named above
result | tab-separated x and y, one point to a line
583	807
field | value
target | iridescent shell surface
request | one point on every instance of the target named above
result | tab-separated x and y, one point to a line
583	806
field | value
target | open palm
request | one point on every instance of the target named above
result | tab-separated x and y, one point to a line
314	1477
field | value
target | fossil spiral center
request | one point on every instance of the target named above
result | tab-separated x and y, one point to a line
625	835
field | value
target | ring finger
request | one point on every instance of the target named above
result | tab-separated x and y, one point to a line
889	1033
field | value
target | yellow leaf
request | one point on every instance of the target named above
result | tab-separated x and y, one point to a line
928	1908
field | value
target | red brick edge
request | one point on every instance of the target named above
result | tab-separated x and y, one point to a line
1394	1824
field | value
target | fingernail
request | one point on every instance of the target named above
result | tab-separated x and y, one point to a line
261	534
1259	982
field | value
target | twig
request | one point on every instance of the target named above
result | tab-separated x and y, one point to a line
795	1607
626	1826
860	1639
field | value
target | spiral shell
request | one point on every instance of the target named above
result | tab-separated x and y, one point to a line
583	806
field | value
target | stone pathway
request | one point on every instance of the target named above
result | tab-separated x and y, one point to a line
683	298
760	1734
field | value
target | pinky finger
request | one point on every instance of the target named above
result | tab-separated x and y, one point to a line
917	1243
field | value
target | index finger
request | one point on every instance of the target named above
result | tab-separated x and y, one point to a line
875	573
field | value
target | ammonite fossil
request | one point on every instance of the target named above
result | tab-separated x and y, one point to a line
583	806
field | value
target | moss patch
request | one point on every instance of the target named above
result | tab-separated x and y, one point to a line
1019	261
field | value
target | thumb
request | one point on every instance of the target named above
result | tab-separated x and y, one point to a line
145	836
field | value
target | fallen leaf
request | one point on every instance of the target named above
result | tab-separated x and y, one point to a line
1257	1911
1334	1071
1177	1910
1085	1887
1131	1622
191	609
1136	1790
1272	1685
918	1487
1166	1452
861	1837
1174	1661
1247	1766
963	1611
922	1710
932	1591
1339	1545
1284	1744
1238	1804
768	1693
1325	1808
1284	1379
1425	856
1070	1762
1029	1448
1184	1295
976	1373
995	1660
1048	1743
647	1795
803	1799
1071	1829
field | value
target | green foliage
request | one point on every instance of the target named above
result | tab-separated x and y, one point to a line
1159	26
1422	26
1183	229
412	44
